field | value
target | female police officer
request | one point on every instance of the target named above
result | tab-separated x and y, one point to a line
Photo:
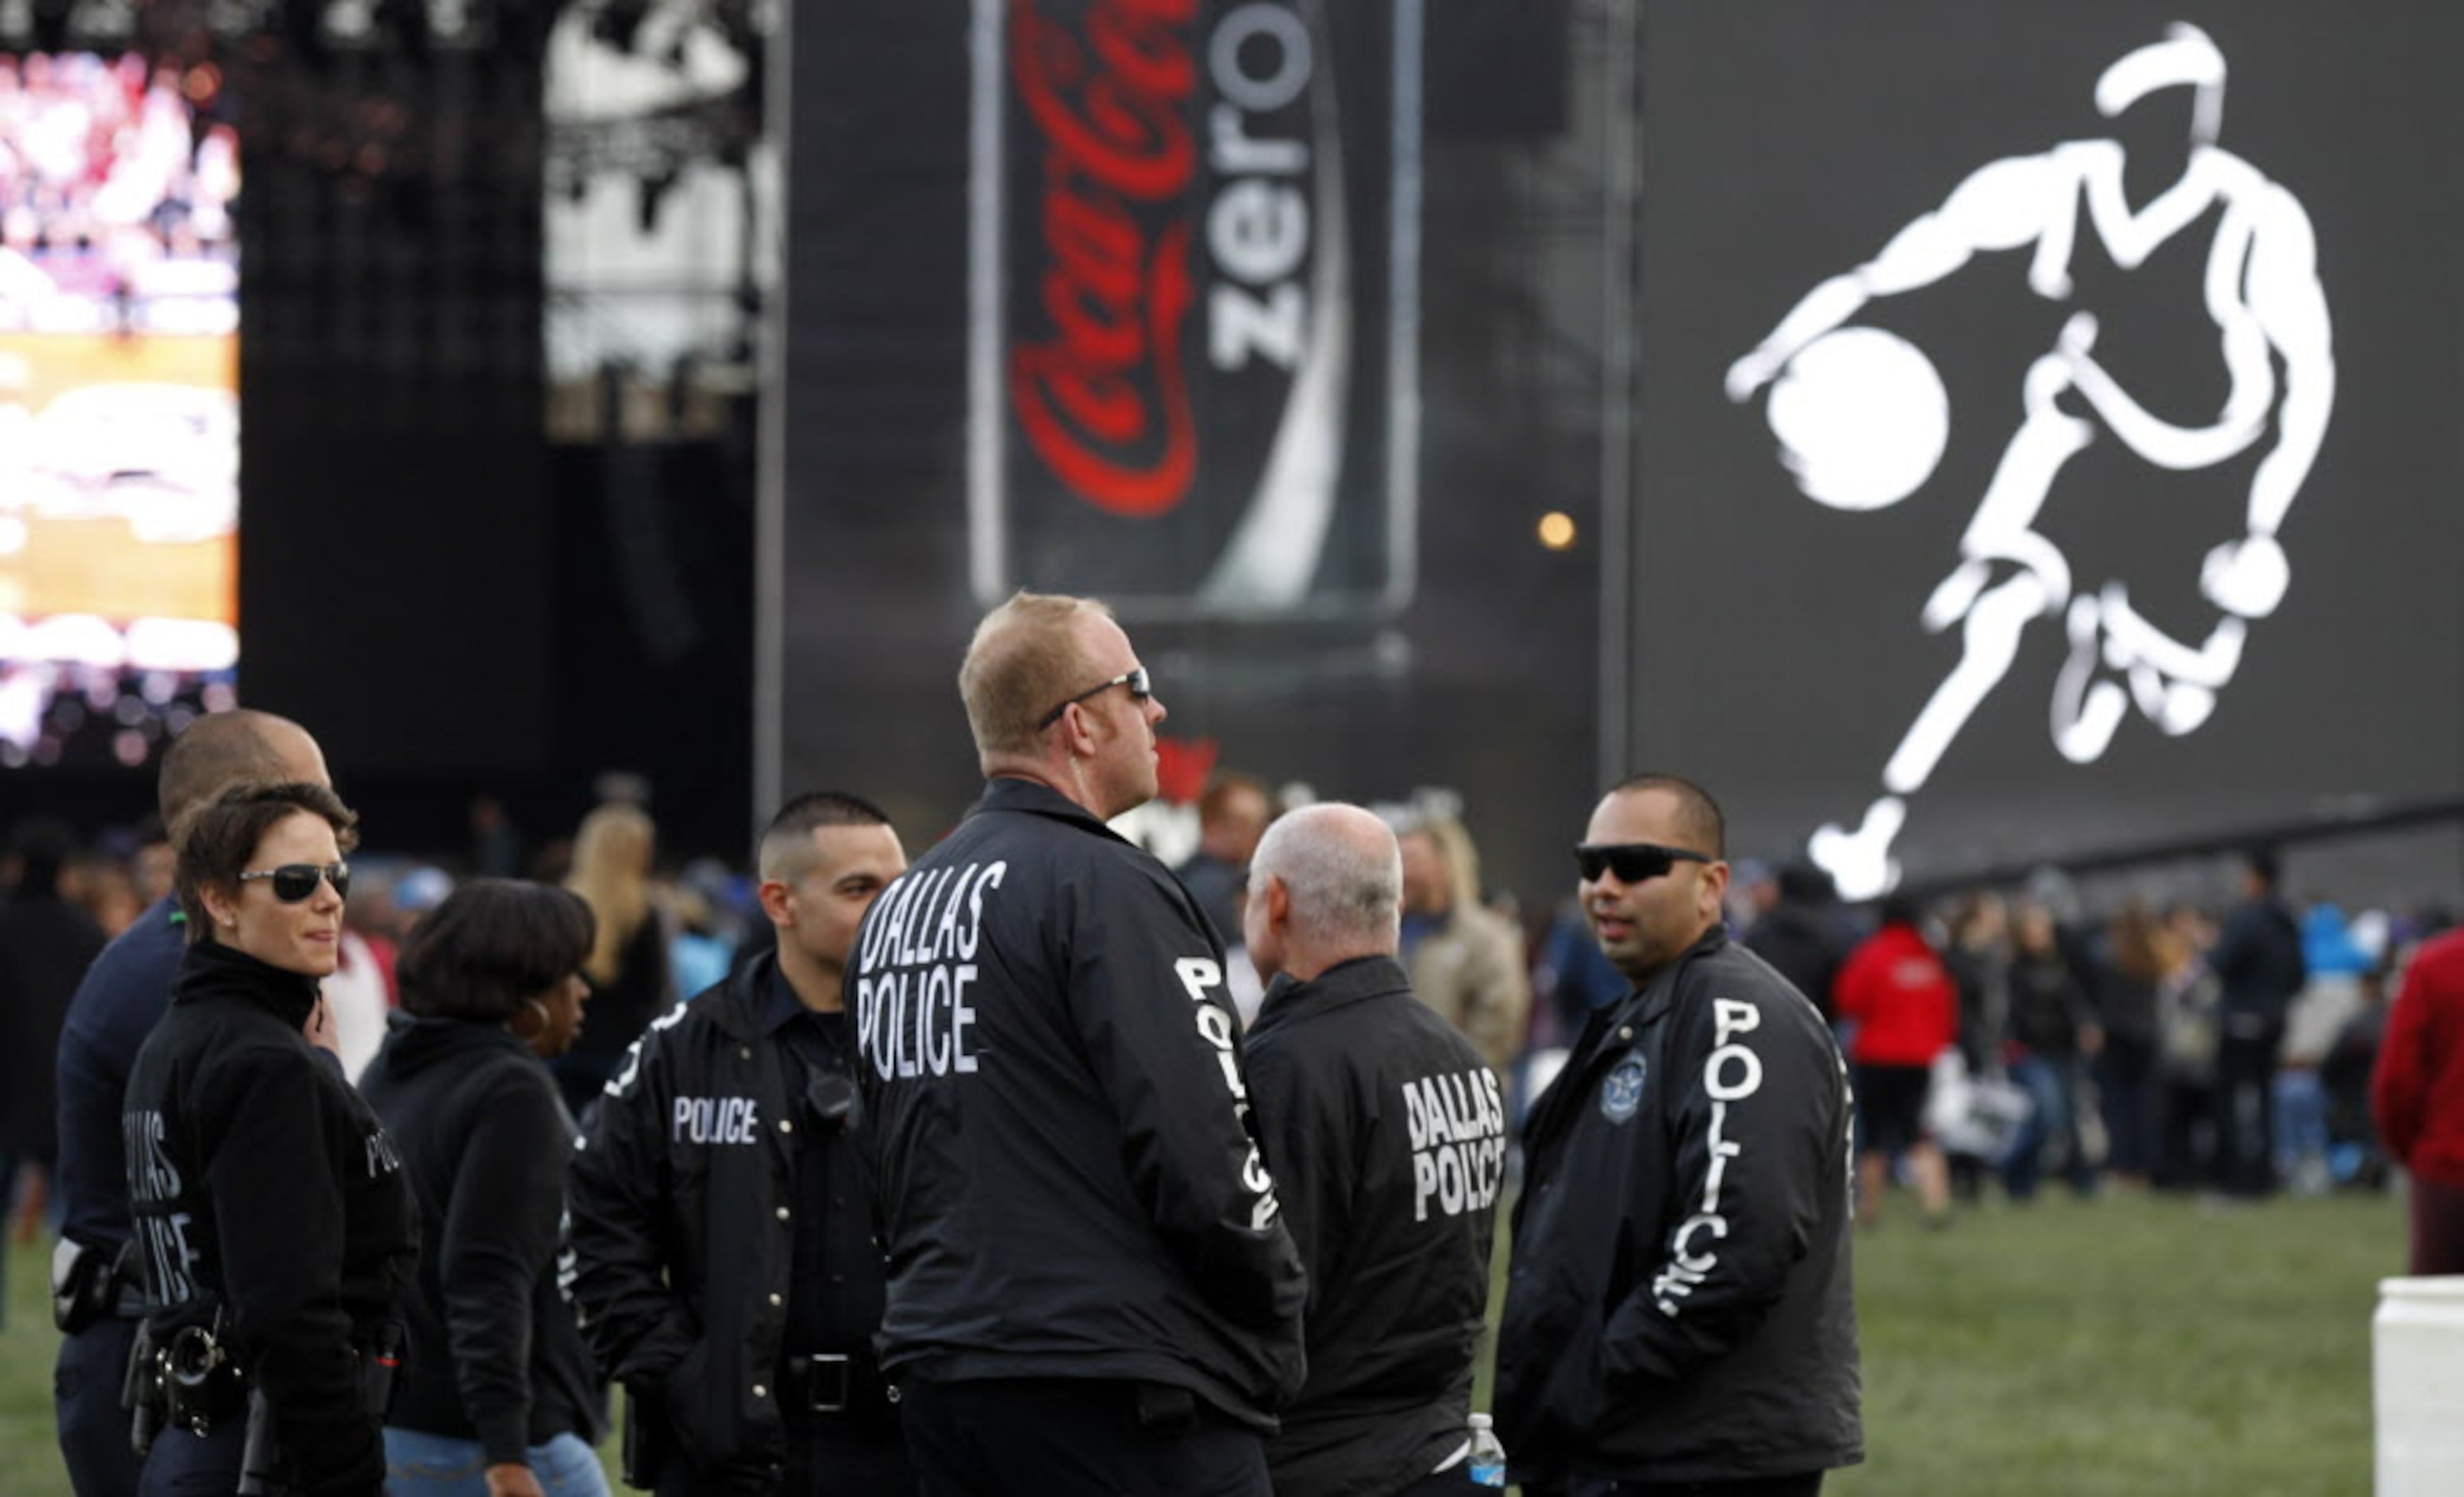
275	1226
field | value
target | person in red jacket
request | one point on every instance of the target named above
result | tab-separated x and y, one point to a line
1905	1007
2417	1096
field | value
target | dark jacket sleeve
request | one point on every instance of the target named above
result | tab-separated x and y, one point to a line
1308	1155
1758	1139
498	1239
273	1150
92	1082
638	1328
118	1002
1146	993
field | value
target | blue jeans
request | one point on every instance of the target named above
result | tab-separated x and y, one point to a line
2051	1084
438	1466
2300	1126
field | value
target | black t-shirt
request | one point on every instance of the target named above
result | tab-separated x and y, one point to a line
834	1304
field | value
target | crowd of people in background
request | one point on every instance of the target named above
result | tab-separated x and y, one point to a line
2104	1050
203	1149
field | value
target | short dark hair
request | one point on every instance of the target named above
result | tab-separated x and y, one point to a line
800	818
2263	863
491	947
1695	811
221	836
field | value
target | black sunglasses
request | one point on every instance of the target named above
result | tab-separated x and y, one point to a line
1633	862
294	882
1140	688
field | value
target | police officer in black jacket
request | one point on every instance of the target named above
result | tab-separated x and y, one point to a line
99	1296
1679	1315
1090	1286
728	1275
1386	1133
276	1230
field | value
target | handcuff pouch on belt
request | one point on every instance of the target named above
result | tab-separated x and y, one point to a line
182	1375
90	1283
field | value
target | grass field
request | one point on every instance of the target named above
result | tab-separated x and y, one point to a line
2124	1346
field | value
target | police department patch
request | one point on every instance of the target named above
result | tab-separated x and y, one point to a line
1622	1093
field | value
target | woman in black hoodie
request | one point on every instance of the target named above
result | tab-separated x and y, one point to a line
268	1207
501	1399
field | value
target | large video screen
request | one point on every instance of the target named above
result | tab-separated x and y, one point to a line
119	405
2047	443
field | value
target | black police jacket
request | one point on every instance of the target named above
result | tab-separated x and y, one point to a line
1386	1133
1679	1306
259	1182
683	1229
1053	1094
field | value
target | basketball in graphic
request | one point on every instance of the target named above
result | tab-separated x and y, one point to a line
1861	418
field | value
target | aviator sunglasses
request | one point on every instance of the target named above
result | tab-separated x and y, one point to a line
294	882
1633	862
1140	688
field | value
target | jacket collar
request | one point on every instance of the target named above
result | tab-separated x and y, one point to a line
738	1010
422	1040
211	970
1009	793
1654	997
1612	1028
1346	983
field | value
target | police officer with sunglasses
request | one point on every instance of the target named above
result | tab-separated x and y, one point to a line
1092	1289
98	1290
729	1277
1679	1315
277	1232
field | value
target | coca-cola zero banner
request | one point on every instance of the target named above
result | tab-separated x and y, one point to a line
1192	304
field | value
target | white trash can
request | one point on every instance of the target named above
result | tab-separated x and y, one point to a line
2417	1383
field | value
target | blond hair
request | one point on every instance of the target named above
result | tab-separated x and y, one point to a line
1025	656
611	872
1455	855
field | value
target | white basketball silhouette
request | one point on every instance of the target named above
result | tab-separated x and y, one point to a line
1861	418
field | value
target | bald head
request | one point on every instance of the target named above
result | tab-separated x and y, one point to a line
230	748
1326	885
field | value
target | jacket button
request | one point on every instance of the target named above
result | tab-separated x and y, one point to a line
760	1392
1626	1033
786	1125
776	1301
782	1213
745	1052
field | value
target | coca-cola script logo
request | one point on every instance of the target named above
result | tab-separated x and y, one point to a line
1104	401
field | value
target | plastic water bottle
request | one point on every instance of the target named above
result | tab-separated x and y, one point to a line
1488	1456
